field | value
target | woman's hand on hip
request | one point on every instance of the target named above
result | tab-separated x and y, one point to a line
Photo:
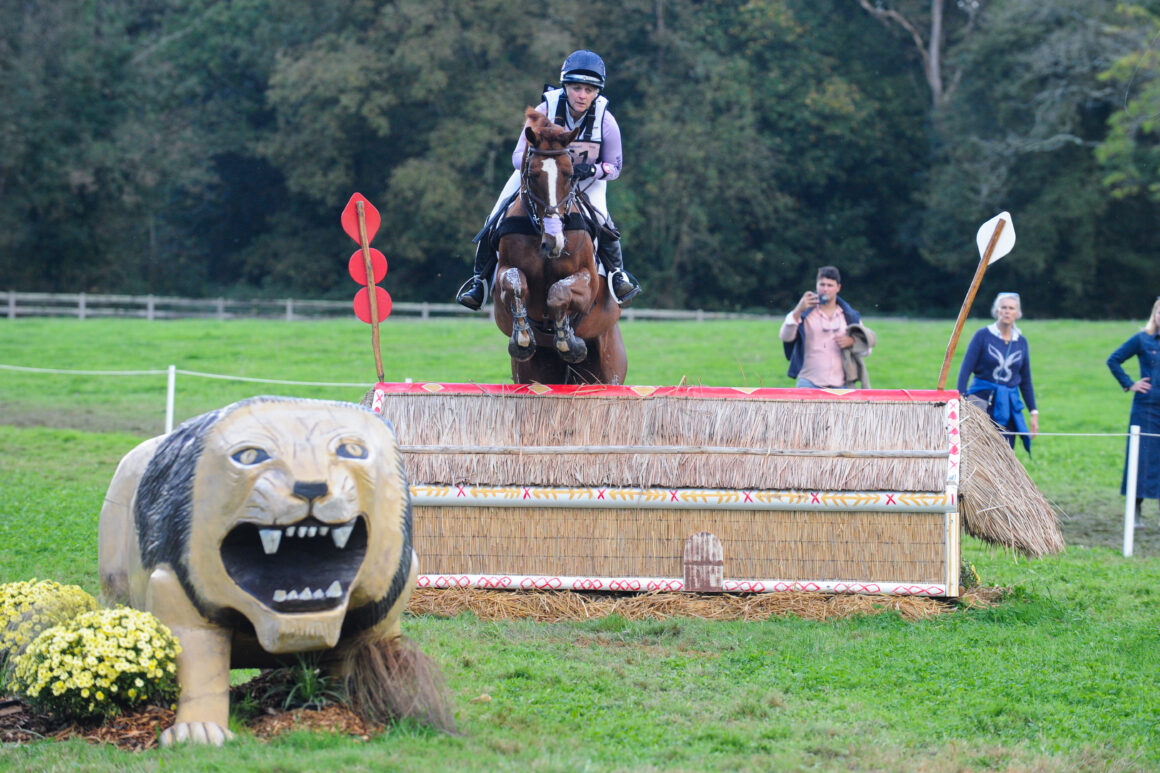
1143	386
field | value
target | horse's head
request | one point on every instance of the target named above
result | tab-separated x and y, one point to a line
547	178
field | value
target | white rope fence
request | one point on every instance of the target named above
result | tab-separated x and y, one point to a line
1134	434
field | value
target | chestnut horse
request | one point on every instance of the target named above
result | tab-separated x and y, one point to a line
548	296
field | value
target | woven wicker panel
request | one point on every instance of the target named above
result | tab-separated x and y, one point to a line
885	547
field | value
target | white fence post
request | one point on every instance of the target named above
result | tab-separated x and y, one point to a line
289	309
1130	489
169	393
150	307
221	308
11	304
81	306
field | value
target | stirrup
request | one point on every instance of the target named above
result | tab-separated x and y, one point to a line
632	293
465	297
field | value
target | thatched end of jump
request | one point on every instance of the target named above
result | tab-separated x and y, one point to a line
998	501
562	606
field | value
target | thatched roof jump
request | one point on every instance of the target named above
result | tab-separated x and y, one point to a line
696	437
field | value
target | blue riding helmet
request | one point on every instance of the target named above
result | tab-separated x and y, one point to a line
583	66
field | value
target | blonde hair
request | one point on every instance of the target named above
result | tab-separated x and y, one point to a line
1001	296
1150	328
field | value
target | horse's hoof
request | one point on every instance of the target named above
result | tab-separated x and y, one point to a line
520	353
575	353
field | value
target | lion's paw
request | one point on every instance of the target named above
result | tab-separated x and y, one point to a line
196	732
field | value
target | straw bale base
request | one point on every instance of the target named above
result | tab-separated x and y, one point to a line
561	606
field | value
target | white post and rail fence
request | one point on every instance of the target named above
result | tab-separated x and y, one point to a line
15	305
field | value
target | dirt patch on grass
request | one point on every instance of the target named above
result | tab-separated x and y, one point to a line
1098	529
146	423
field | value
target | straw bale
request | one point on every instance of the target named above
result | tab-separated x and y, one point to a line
560	606
998	500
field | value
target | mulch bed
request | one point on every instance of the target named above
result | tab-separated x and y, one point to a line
139	731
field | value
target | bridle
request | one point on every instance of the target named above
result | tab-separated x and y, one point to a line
531	201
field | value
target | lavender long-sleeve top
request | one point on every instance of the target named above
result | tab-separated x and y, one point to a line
611	154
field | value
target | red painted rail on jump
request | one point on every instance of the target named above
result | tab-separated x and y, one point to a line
601	390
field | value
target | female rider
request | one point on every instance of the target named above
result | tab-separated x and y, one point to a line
596	159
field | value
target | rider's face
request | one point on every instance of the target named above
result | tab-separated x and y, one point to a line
580	96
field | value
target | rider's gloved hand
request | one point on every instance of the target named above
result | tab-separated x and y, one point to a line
583	171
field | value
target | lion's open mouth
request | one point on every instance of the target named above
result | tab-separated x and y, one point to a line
306	567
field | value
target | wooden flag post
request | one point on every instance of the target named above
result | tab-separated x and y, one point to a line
365	243
367	266
1000	243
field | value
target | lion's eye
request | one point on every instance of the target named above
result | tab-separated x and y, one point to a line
250	456
352	451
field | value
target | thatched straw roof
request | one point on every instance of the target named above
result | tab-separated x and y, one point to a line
998	500
748	426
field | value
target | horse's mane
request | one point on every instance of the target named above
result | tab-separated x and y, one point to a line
545	129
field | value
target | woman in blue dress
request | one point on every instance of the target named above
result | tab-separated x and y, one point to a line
1000	362
1145	347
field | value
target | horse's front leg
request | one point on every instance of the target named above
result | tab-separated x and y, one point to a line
565	297
513	293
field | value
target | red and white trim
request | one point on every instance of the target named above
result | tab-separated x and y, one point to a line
675	584
471	495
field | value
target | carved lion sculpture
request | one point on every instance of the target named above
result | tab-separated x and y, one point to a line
272	527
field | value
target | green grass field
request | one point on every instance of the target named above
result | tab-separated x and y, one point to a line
1062	676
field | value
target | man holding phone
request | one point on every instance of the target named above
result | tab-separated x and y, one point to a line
815	332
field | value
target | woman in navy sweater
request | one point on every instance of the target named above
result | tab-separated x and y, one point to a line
1000	362
1145	347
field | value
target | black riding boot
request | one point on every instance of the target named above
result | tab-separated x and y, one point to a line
474	290
624	285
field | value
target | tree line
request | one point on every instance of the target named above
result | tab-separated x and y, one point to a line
207	147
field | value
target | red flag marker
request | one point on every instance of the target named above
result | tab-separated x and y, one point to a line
358	266
362	305
350	219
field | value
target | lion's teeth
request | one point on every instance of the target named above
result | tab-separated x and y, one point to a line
334	591
318	594
289	531
279	595
313	530
340	535
271	538
323	529
306	593
292	595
